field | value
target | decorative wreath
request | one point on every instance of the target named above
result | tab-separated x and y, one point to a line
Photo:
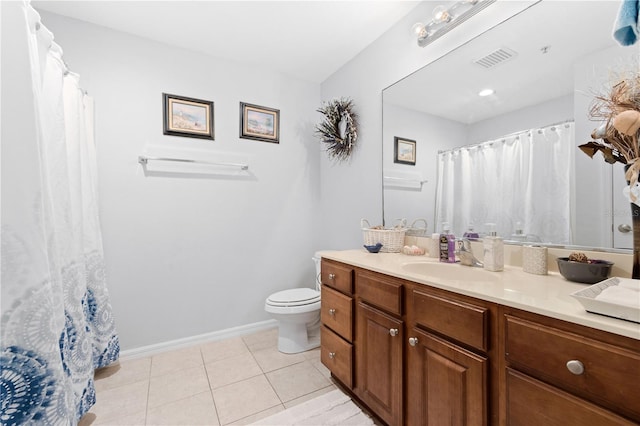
339	129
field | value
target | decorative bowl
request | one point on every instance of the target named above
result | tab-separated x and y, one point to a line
373	249
590	272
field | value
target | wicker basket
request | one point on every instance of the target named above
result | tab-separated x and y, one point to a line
416	231
392	240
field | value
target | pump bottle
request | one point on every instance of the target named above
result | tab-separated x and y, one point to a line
493	250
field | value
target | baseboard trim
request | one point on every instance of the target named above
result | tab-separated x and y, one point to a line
171	345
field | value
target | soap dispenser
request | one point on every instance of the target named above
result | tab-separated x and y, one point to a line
471	233
447	245
493	249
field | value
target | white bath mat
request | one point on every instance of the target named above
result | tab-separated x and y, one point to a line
333	408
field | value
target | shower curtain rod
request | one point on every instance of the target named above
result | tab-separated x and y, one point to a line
502	138
144	160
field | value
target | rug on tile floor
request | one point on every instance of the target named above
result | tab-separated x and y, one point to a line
332	408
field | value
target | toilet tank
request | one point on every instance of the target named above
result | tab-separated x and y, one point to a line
317	260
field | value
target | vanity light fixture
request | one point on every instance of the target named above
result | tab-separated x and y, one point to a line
445	19
486	92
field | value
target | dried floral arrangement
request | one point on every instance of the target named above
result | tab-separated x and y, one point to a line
619	134
339	129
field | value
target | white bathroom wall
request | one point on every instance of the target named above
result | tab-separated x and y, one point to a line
540	115
353	190
191	253
431	135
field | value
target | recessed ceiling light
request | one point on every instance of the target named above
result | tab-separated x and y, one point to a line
486	92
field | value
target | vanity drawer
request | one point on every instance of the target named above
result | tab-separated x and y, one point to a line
337	356
560	408
337	275
458	320
611	373
380	290
336	312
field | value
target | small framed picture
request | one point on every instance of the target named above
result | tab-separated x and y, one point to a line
259	123
404	151
189	117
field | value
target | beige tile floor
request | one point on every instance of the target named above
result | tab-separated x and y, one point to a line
228	382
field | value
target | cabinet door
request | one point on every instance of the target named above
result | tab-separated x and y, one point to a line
446	384
379	341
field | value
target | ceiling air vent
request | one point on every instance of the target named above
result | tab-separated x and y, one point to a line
496	57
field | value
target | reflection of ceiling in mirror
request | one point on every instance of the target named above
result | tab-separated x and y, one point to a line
571	29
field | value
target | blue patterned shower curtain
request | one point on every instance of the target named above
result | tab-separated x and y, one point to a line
56	323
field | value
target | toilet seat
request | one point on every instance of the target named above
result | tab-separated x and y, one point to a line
294	297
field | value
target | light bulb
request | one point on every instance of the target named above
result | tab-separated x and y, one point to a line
441	14
486	92
419	29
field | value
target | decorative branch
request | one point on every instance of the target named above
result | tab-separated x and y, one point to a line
620	111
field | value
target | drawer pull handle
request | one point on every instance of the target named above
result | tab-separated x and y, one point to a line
413	341
393	332
332	355
332	276
575	367
332	312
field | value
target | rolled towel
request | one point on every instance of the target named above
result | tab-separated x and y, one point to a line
620	296
626	30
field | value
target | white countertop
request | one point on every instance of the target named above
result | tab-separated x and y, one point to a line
542	294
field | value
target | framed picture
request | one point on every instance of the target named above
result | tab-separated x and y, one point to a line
404	151
259	123
188	117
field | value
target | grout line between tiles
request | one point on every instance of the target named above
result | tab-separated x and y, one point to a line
206	372
146	411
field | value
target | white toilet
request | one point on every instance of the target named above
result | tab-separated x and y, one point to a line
298	313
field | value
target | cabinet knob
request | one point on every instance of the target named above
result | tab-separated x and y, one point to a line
332	276
413	341
393	332
332	355
332	312
626	228
575	367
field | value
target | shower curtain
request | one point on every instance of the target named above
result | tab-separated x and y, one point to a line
521	180
57	324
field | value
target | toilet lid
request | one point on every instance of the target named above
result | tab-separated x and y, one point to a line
294	297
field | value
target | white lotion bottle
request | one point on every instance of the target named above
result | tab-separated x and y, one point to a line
493	250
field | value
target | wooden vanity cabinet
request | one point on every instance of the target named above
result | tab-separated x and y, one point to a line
559	373
447	359
417	355
379	343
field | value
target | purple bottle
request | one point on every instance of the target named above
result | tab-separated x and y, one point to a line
447	245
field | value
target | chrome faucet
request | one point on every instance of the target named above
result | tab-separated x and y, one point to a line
465	254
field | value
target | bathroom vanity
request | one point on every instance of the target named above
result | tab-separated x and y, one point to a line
423	343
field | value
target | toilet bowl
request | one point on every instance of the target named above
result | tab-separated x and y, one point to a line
297	311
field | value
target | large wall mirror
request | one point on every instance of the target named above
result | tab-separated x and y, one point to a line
545	64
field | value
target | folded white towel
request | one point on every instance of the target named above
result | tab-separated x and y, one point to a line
620	296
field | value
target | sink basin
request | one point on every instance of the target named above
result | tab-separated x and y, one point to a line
451	271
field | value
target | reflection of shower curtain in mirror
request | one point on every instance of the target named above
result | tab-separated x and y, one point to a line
524	177
57	325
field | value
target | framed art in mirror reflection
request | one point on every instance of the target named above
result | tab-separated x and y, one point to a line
404	151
